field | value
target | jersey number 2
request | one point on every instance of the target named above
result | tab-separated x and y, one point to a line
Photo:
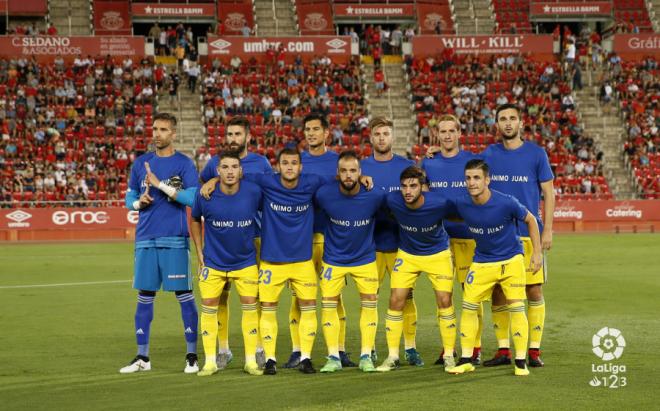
397	264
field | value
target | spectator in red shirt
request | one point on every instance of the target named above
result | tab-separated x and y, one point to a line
379	81
52	31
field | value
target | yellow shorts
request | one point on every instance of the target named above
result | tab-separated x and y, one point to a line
439	268
211	281
482	277
539	277
333	279
273	277
384	262
317	251
462	251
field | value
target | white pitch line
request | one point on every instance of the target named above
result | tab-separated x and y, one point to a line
63	284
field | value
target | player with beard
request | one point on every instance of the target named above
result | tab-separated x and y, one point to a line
521	169
385	168
423	247
323	162
161	185
349	249
237	136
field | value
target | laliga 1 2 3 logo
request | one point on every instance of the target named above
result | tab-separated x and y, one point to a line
608	345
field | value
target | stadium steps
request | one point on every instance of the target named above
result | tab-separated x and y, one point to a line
473	17
70	17
608	133
191	126
393	104
281	22
654	14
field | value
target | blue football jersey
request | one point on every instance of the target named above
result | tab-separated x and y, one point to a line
447	176
519	173
164	217
386	176
493	225
349	234
229	226
323	165
287	217
421	231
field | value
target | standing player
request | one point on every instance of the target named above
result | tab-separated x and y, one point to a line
228	255
349	248
385	167
446	174
521	168
161	185
323	162
423	247
237	135
493	218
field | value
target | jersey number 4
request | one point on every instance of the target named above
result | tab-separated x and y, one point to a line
328	274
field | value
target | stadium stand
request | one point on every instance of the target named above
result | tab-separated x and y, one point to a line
71	131
276	98
471	90
636	88
512	16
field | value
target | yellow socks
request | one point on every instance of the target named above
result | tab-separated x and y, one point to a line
209	325
330	321
501	323
223	322
469	325
250	327
393	330
409	322
341	312
447	325
308	326
519	329
480	317
268	325
294	322
368	326
536	316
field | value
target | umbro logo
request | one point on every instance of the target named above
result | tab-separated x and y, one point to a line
188	331
139	332
452	326
371	325
253	331
312	334
537	328
462	335
268	338
495	326
327	324
294	321
205	334
517	334
387	329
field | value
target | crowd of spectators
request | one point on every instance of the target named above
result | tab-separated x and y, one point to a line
69	131
275	96
636	88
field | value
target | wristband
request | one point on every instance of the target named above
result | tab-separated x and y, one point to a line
169	191
137	205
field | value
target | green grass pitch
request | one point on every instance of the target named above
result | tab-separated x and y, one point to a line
62	346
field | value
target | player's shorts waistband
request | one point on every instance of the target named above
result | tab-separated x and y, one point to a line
503	262
441	254
164	242
318	238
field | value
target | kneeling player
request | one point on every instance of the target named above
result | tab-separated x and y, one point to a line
228	255
492	216
423	247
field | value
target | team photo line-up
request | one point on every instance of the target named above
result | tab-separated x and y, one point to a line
321	217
